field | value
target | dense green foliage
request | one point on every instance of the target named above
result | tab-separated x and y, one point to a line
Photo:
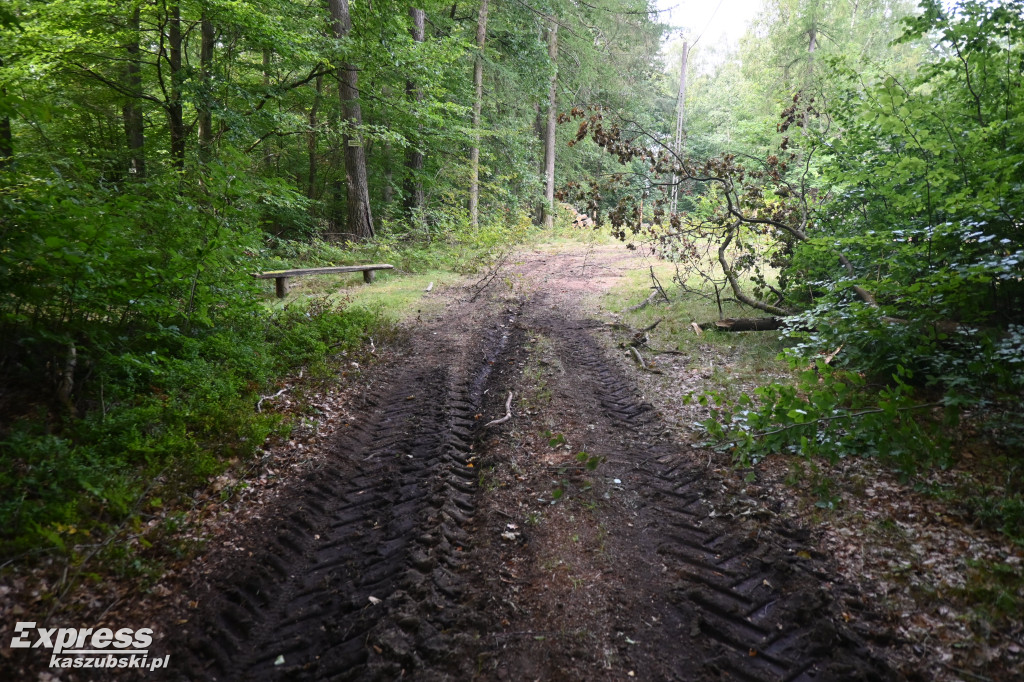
856	167
924	178
862	179
154	154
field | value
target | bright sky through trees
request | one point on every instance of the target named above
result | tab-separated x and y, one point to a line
716	19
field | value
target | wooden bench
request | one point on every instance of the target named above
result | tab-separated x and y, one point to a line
281	276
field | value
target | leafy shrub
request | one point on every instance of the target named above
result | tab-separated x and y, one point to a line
831	413
138	344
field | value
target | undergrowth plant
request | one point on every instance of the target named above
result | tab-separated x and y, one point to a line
832	414
164	421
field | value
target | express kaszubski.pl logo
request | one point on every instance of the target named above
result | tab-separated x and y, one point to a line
90	647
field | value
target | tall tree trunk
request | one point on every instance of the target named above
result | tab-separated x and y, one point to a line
549	130
174	105
205	123
414	198
268	148
389	171
360	218
131	112
677	143
6	137
539	121
812	47
311	142
478	103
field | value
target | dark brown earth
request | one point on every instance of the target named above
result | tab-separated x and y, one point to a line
426	545
432	547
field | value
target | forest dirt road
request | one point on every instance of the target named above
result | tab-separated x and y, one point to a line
430	546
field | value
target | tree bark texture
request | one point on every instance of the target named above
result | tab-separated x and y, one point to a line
6	136
414	197
131	112
812	47
360	218
389	162
478	102
737	291
677	143
311	141
538	128
745	324
549	130
175	116
205	122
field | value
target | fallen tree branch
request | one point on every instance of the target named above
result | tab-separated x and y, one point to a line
730	275
744	324
665	352
640	361
651	327
508	413
268	397
658	286
486	280
641	304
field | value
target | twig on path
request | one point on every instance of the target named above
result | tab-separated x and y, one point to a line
966	673
486	280
665	352
268	397
508	413
583	268
650	327
640	361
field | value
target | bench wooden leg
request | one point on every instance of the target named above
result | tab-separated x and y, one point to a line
368	276
281	286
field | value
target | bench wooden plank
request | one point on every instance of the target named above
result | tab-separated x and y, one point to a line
280	277
274	274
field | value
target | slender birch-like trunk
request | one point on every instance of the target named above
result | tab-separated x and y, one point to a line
478	102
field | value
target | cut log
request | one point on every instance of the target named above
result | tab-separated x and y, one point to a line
745	324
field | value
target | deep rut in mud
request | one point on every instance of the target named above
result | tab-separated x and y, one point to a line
733	603
383	563
360	578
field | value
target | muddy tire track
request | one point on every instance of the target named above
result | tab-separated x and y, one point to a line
361	578
747	606
391	561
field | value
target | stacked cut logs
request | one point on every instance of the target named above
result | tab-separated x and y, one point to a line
579	220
